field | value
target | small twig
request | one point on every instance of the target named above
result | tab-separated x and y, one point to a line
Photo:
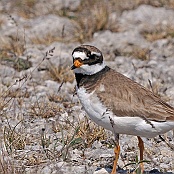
168	144
60	86
47	56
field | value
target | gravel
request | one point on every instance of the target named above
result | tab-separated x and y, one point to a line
41	113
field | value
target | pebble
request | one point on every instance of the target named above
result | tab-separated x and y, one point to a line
101	171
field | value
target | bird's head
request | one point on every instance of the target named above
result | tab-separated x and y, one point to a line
87	60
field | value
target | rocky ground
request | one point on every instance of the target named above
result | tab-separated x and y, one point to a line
43	128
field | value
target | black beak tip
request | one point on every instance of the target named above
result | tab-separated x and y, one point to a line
73	67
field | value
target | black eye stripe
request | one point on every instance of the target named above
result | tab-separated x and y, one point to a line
92	61
92	56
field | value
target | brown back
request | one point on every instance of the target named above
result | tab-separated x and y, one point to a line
127	98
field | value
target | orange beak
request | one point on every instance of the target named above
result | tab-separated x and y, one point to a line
77	64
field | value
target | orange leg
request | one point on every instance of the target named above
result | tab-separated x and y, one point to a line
141	148
117	147
117	152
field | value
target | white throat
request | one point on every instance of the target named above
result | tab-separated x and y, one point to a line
89	70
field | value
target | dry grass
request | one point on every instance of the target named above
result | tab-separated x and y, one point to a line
1	22
44	110
15	137
91	17
94	16
24	8
140	53
159	33
132	4
96	21
27	8
135	51
161	3
60	73
90	132
7	166
13	140
48	39
14	46
79	135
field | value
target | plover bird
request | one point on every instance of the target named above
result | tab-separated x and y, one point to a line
116	102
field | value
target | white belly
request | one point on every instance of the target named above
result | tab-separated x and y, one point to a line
122	125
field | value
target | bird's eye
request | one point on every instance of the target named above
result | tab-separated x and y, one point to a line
88	54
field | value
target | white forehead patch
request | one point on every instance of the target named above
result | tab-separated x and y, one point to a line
78	54
97	54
